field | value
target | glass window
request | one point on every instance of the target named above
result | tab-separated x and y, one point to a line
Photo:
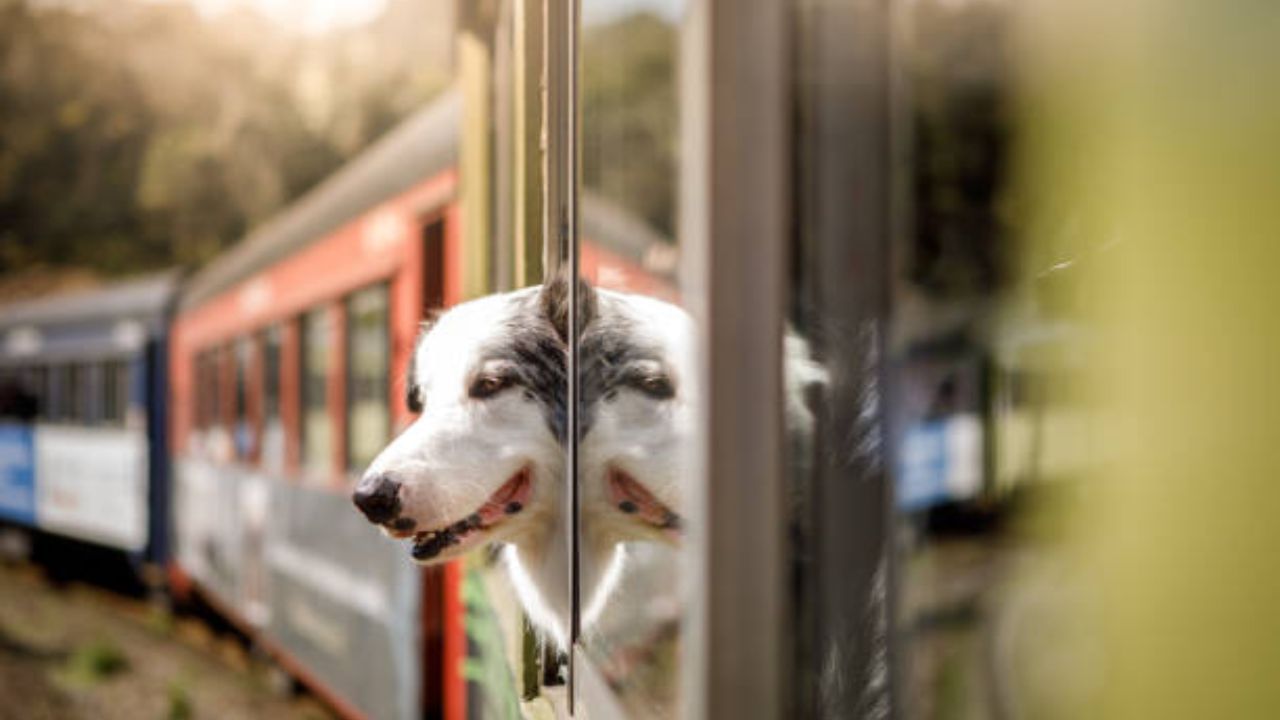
71	393
368	381
243	428
273	448
38	387
18	400
271	374
115	391
317	427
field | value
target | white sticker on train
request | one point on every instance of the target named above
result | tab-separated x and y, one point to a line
91	483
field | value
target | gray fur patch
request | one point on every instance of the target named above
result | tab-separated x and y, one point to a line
614	356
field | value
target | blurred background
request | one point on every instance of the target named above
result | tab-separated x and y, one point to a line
146	135
1047	262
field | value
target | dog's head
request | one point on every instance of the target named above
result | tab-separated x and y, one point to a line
638	401
483	461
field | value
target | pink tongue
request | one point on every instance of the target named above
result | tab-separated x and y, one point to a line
509	499
622	489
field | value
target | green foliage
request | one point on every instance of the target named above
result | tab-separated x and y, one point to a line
95	661
180	707
630	115
486	670
139	135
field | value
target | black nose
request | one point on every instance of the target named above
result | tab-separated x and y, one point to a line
378	497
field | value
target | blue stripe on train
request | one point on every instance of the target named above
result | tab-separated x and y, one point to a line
17	474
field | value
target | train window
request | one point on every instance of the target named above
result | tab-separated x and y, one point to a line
115	391
37	383
9	389
17	397
71	393
243	427
273	448
317	425
368	376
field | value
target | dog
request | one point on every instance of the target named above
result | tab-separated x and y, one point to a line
485	461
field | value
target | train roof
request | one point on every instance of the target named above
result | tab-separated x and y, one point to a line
141	298
105	321
417	148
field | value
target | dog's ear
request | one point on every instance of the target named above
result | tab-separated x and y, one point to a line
554	300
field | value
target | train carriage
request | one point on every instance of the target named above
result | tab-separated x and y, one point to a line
83	451
283	387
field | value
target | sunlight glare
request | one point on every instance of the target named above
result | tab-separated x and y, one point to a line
307	16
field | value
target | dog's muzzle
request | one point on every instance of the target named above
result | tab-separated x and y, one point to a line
378	497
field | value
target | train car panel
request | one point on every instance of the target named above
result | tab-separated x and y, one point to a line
344	602
93	484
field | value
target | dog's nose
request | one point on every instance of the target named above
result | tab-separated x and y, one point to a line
378	497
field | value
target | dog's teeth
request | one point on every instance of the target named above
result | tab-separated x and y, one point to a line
627	507
513	507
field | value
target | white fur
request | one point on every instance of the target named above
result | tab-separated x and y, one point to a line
461	450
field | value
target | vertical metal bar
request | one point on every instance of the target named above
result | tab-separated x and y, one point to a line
475	153
571	222
561	187
571	229
504	88
735	222
527	129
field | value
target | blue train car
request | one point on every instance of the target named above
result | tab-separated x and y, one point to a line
83	416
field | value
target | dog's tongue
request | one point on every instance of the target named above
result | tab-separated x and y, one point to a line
633	498
508	500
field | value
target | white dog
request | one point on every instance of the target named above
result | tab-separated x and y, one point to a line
485	460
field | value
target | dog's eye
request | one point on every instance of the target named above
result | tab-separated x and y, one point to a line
656	386
488	386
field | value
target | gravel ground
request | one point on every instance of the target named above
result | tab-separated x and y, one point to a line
80	651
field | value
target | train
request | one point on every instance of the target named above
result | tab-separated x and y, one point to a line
209	426
84	408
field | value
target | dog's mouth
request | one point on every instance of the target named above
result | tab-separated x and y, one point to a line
632	498
461	535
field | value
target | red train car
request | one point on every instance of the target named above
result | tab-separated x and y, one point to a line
287	358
